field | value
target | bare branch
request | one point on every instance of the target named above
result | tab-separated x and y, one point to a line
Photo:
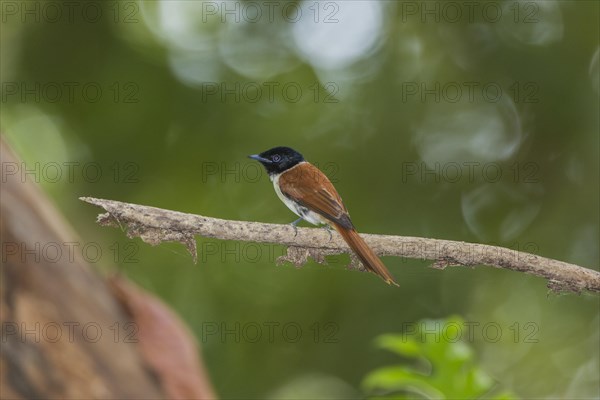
155	225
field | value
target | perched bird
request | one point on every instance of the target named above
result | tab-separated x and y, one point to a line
308	192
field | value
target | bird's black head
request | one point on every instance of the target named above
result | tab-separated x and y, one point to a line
278	159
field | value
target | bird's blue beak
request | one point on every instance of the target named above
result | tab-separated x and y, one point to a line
261	159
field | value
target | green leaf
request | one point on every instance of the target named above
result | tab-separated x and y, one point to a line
454	371
401	378
400	344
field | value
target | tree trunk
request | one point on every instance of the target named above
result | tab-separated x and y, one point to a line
67	331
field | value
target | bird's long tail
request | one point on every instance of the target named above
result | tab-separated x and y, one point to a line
366	255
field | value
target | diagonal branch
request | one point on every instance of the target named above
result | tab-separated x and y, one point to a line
156	225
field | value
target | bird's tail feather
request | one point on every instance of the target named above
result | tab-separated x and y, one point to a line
366	255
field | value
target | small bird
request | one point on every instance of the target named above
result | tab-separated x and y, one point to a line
308	192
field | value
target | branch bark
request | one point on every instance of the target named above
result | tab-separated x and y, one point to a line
155	225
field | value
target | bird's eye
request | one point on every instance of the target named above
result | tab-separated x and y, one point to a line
276	158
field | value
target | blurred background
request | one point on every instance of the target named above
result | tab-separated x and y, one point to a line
473	121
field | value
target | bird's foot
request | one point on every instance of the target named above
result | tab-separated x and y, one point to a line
295	226
328	229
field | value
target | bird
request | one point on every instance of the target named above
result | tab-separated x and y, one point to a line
307	191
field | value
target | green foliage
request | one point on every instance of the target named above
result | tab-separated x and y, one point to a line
444	366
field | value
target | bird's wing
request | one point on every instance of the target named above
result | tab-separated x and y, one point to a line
311	188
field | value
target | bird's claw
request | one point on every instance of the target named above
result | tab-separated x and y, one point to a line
294	225
328	229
